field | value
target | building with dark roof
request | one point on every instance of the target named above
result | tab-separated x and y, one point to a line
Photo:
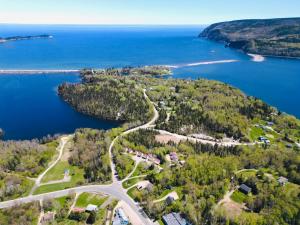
245	189
174	219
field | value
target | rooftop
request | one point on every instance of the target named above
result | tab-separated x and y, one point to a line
174	219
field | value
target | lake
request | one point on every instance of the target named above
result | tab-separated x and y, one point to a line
31	108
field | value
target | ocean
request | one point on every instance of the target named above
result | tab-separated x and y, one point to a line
31	108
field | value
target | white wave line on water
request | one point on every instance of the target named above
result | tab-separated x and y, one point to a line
37	71
202	63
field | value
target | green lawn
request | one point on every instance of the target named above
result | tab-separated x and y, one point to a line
76	178
87	198
128	183
131	192
141	170
61	200
255	132
57	172
238	196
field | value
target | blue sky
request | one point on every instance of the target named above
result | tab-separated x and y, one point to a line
142	11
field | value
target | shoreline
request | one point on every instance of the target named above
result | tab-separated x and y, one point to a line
36	72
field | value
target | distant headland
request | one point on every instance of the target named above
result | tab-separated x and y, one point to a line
21	38
268	37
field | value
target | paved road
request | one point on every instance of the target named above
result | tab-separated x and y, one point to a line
114	189
150	124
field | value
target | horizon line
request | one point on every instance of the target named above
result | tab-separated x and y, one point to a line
111	24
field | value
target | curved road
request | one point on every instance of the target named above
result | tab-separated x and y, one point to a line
115	189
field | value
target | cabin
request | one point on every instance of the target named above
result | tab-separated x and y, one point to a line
174	219
245	189
91	208
173	156
262	138
47	218
282	181
289	145
78	210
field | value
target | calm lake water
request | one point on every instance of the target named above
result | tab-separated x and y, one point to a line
31	108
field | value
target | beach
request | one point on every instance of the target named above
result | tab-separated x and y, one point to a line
257	58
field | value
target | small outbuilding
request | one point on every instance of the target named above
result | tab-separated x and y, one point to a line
91	208
282	181
245	189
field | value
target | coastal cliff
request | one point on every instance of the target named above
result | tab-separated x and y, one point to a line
272	37
21	38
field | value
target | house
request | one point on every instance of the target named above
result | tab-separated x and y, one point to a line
270	123
173	196
282	181
48	218
173	156
120	217
145	185
170	200
149	187
91	208
174	219
78	210
267	142
245	189
156	161
261	138
289	145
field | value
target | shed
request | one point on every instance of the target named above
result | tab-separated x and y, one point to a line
245	189
282	180
91	208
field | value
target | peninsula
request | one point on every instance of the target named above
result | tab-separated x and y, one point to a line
269	37
21	38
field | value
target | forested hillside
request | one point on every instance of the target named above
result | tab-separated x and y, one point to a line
275	37
90	152
20	160
108	98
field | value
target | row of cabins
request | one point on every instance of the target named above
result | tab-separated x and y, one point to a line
150	157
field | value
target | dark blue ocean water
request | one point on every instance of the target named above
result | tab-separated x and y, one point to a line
29	104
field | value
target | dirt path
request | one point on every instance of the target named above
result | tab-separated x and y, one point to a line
60	149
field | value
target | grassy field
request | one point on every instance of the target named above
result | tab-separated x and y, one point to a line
76	178
141	170
87	198
238	196
57	172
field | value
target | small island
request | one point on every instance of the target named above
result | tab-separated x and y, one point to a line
22	38
268	37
